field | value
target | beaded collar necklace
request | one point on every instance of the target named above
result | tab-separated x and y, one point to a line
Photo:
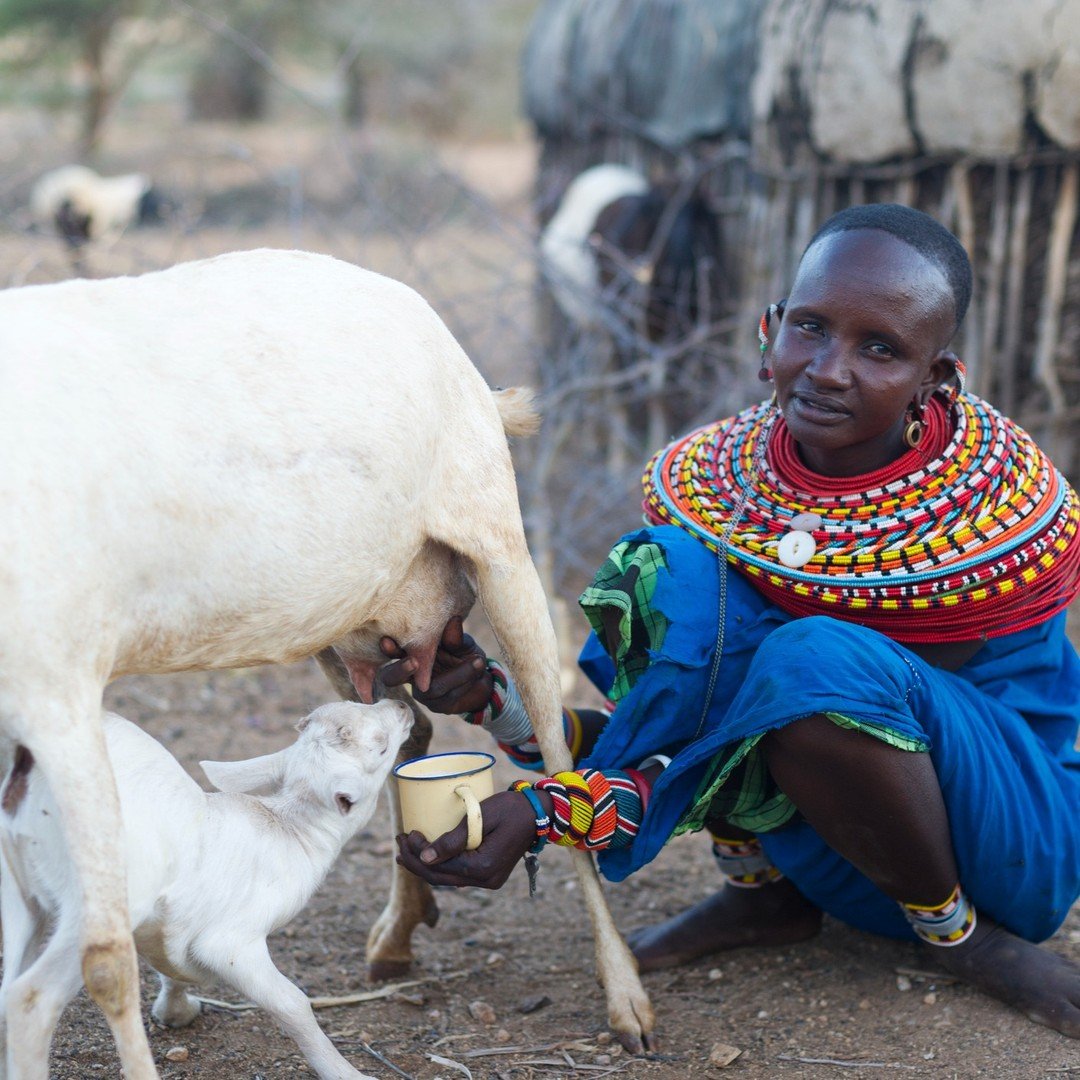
969	536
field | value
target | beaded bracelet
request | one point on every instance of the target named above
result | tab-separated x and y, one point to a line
504	715
593	809
543	822
499	682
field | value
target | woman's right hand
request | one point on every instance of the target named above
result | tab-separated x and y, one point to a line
509	832
460	680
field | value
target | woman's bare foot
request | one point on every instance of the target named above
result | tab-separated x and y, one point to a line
776	914
1041	984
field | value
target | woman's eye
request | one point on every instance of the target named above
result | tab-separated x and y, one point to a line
879	348
810	326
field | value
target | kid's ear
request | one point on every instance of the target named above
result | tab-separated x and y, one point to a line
346	796
255	776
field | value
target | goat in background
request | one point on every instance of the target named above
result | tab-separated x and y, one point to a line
632	266
83	207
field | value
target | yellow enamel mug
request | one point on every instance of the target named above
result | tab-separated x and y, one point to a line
437	791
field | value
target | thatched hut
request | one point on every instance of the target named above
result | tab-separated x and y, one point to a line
650	83
660	85
968	109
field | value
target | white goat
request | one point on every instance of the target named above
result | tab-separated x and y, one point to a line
209	875
238	461
83	206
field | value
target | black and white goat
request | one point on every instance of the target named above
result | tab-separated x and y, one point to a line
84	207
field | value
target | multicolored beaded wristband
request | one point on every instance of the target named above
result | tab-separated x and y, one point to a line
499	682
592	809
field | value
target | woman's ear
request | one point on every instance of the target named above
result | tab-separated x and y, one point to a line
945	365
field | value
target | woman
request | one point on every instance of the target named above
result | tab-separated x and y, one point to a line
875	715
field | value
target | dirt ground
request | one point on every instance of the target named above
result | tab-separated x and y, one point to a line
843	1005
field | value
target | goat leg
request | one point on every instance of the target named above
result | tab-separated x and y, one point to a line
630	1013
174	1007
35	999
411	901
67	744
251	972
517	609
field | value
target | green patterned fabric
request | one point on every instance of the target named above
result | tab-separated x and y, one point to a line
618	605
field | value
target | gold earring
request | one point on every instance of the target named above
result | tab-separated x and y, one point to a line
913	433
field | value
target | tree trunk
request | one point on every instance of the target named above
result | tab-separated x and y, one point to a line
231	83
99	94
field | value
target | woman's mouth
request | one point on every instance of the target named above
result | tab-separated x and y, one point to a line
818	410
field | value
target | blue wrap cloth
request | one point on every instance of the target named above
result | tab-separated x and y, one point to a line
1000	732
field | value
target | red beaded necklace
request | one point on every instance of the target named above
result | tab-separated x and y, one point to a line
973	534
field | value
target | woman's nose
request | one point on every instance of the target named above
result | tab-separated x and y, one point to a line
829	365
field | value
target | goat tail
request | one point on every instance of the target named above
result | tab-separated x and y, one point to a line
517	410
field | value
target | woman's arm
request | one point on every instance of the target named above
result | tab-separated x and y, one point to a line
461	682
510	830
947	655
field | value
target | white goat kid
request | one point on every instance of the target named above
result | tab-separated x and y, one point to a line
209	875
238	461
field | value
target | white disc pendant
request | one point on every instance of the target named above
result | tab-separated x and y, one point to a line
796	548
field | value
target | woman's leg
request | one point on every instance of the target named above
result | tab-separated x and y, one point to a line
882	810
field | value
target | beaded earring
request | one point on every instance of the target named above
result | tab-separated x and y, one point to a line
915	429
765	372
952	390
960	374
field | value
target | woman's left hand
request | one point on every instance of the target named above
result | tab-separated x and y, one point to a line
509	832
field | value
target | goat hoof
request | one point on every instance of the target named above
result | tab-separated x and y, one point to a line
431	912
382	970
634	1044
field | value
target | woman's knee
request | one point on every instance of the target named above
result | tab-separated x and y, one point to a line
807	740
816	744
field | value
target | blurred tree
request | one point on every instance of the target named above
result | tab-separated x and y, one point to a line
233	79
388	67
91	29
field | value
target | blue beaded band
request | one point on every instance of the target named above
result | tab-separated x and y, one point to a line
543	822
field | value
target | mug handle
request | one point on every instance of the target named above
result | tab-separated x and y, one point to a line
473	816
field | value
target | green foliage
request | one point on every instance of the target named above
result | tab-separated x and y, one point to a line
62	18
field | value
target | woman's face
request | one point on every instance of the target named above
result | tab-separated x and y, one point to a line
862	336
